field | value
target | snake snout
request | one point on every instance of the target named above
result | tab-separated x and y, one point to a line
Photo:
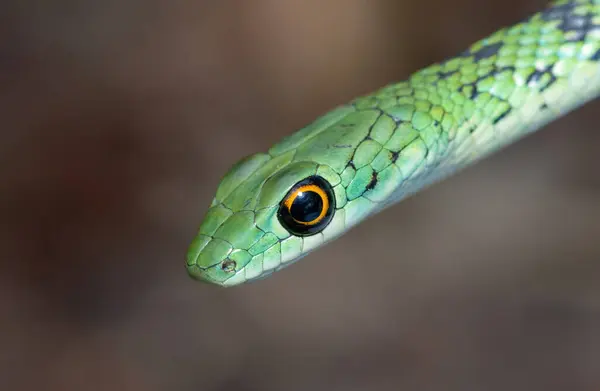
205	258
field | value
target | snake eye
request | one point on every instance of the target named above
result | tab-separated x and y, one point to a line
308	207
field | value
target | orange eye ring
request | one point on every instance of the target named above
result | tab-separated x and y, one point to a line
299	192
308	207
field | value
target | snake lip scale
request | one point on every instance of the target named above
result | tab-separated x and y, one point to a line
272	209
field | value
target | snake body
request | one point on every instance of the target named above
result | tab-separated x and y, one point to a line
273	208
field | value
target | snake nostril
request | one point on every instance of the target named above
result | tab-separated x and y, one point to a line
228	266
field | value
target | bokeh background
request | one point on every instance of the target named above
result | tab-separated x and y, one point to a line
119	118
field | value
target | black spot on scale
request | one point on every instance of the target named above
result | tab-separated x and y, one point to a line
470	90
570	21
501	116
596	56
373	182
536	76
558	12
550	82
447	74
487	51
394	156
577	22
544	106
474	93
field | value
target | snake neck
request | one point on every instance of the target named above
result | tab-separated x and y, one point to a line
499	90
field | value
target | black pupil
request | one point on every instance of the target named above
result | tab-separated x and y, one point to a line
307	206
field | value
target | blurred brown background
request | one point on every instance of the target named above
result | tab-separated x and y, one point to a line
119	118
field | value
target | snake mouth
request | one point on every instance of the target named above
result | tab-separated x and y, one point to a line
264	275
212	275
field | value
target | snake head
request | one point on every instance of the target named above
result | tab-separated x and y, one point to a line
268	212
274	208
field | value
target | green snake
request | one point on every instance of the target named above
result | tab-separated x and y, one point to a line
273	208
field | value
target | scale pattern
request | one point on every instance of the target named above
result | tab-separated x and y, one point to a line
380	148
